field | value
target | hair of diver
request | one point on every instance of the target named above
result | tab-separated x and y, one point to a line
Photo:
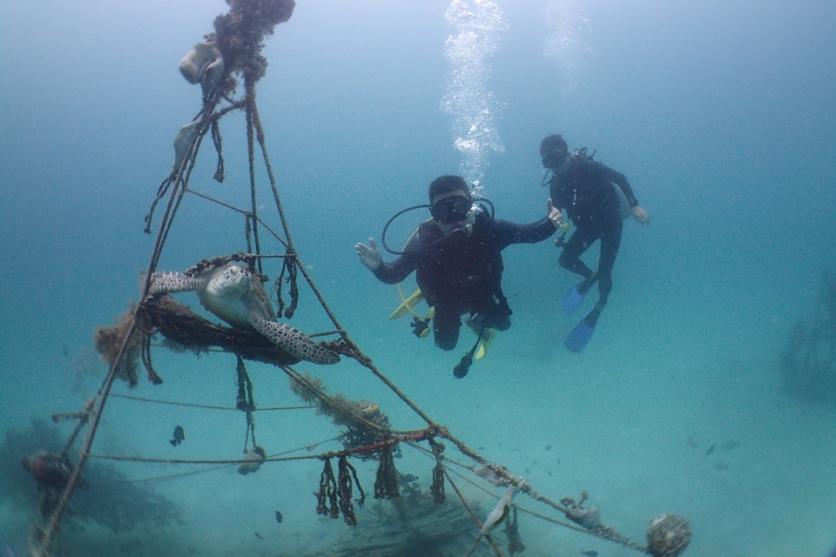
478	200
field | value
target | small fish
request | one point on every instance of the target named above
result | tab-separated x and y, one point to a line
730	444
590	553
692	442
709	450
64	350
721	465
257	535
279	517
178	436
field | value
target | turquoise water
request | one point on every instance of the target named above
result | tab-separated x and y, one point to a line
721	114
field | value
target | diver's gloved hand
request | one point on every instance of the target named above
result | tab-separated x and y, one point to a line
369	255
640	215
555	215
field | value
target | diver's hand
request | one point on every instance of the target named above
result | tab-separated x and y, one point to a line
641	215
369	255
555	216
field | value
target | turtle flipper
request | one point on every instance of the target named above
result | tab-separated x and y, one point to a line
171	281
294	342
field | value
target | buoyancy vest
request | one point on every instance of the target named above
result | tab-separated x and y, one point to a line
462	269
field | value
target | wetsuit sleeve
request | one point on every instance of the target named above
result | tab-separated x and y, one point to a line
511	233
400	268
620	180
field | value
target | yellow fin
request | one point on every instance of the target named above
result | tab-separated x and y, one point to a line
484	344
408	304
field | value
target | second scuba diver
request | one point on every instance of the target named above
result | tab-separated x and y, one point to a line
457	260
584	187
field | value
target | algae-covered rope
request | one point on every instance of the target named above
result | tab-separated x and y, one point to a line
249	84
333	402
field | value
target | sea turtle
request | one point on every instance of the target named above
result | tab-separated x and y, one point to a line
232	293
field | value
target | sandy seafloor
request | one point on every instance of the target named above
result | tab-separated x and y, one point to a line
720	114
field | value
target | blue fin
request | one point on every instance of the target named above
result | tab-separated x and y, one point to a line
580	335
572	299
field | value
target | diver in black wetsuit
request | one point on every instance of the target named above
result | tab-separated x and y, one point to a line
584	188
456	256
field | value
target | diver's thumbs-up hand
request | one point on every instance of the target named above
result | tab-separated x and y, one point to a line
555	215
369	254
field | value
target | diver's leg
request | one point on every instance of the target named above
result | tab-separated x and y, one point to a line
498	314
570	259
610	242
498	320
446	325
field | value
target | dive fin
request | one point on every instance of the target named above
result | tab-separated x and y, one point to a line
485	343
487	337
407	304
573	298
580	335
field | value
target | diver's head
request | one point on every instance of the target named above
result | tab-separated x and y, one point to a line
554	151
450	199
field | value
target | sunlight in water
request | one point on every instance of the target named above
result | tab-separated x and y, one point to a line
567	43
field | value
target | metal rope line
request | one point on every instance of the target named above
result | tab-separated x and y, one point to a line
216	468
207	406
245	213
393	440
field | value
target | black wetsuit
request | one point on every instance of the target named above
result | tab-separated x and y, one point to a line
585	189
462	273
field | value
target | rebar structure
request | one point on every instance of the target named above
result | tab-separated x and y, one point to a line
230	54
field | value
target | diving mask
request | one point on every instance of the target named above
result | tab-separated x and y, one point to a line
454	208
554	158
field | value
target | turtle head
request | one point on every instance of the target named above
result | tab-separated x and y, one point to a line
233	280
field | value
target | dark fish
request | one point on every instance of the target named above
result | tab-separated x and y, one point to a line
278	517
178	436
692	442
257	535
590	553
709	450
64	350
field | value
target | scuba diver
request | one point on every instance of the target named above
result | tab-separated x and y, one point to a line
584	188
457	260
